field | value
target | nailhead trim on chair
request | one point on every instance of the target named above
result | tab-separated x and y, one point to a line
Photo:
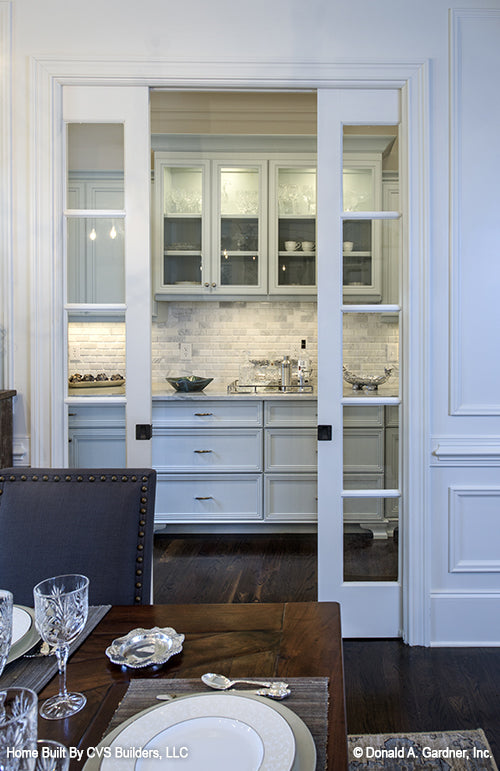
104	478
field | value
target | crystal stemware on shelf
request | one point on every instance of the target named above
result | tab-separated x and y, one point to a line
18	729
6	604
61	609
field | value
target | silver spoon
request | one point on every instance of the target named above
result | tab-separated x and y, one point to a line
222	683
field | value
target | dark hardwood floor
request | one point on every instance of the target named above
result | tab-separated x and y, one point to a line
390	687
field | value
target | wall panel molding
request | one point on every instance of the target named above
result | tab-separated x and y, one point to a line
483	451
474	532
474	170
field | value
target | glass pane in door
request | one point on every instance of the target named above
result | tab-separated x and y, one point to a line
370	161
95	245
95	153
96	355
371	355
96	260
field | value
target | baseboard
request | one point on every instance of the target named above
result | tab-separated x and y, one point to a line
465	619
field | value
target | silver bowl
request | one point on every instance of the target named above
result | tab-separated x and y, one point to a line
370	382
145	647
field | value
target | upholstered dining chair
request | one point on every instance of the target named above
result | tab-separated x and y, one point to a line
98	522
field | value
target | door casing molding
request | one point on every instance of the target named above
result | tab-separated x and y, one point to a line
48	77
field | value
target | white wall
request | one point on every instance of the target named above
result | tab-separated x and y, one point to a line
465	371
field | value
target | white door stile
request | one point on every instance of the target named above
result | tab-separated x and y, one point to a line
130	106
369	609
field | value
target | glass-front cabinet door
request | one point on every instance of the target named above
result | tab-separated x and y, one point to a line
211	233
292	262
184	227
241	228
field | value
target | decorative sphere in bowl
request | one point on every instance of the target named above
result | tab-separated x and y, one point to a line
189	383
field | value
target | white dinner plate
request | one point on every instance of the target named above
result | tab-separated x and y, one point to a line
305	749
24	633
207	732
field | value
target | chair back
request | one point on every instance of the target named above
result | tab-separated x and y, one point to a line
99	522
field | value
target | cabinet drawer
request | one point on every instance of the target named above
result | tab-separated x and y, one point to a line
200	413
208	498
290	413
207	450
96	415
290	497
291	449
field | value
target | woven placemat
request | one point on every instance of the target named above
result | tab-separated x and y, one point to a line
36	672
309	700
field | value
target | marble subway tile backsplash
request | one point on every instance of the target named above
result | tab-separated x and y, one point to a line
222	336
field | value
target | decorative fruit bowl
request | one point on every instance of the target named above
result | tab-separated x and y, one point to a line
370	382
189	383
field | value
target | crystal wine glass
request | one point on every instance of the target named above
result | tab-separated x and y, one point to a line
6	604
61	609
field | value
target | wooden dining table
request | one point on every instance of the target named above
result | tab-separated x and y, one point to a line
256	640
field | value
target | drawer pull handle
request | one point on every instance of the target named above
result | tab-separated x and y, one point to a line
204	497
200	452
203	414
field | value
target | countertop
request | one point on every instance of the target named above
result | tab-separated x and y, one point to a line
162	391
216	393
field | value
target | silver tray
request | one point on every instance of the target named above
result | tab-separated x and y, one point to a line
145	647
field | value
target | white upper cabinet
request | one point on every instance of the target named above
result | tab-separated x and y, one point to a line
292	226
211	225
247	227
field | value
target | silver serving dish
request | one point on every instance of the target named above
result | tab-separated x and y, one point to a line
145	647
370	382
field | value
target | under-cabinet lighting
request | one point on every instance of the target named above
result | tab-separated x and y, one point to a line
93	235
112	232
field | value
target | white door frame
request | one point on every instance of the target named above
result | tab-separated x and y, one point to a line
49	75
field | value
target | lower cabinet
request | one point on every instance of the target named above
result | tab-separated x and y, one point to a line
235	460
96	436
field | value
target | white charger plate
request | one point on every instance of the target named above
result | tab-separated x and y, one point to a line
305	749
220	732
24	632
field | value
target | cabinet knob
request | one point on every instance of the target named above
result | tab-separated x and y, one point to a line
206	283
200	452
214	284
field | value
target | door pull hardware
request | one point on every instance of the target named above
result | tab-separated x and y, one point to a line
324	433
203	414
204	497
143	431
201	452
